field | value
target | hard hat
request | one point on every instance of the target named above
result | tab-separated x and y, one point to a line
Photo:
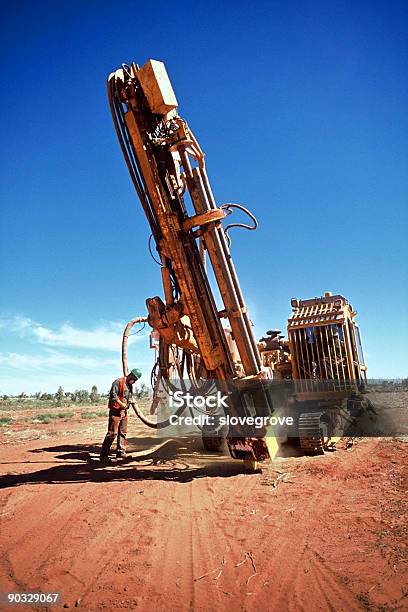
136	373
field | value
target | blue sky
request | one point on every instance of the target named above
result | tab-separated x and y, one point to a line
301	110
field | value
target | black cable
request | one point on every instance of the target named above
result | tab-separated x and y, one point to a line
128	152
229	206
139	330
151	252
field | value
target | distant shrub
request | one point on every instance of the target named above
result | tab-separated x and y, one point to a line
93	415
80	396
59	396
142	391
46	417
95	396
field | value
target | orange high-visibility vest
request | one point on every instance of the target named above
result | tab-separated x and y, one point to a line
121	395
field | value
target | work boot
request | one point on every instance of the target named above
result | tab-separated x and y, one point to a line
105	459
121	455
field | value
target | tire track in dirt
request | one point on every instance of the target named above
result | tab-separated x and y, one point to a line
170	560
188	545
211	551
41	546
287	548
38	548
96	545
103	561
73	549
9	580
182	534
291	553
327	587
225	565
295	584
34	543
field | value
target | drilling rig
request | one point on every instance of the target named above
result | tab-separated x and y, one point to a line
194	337
323	357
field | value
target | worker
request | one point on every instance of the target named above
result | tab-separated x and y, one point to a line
120	397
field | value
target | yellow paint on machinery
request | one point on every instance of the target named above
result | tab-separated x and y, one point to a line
157	88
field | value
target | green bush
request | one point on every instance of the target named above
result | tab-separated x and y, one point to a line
45	417
48	417
93	415
59	396
5	421
80	396
95	396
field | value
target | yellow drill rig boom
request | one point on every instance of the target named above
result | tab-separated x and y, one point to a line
168	170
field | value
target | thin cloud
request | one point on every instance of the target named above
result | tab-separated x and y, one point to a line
52	361
16	324
106	336
36	356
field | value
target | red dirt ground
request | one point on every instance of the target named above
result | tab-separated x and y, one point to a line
173	528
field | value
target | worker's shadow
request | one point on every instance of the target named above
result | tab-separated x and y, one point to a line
178	460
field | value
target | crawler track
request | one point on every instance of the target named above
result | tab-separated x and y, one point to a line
312	433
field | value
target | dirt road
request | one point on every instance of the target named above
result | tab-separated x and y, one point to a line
171	528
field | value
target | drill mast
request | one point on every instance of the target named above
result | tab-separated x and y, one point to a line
168	170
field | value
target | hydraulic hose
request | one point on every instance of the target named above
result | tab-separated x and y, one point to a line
125	337
138	412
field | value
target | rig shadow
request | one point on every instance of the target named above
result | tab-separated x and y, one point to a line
176	460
